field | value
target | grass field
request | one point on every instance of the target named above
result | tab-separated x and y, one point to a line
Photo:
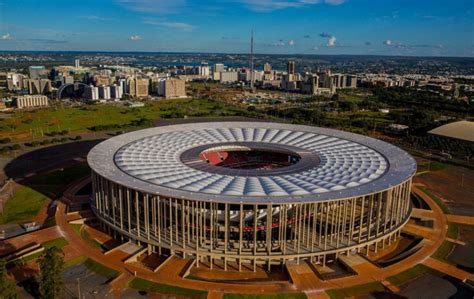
410	274
76	261
30	124
23	205
151	287
275	296
100	269
436	199
85	235
59	243
357	290
52	184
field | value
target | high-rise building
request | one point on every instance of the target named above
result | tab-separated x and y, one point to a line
351	81
218	67
138	87
91	92
77	63
104	92
172	88
229	76
267	67
36	71
290	67
116	92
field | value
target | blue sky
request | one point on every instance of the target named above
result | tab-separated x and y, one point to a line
382	27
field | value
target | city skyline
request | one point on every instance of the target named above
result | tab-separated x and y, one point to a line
329	27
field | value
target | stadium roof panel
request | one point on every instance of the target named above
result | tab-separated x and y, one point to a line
462	130
334	164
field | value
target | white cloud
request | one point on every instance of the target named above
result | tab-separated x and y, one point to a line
331	39
269	5
6	36
153	6
172	25
387	42
291	42
95	18
135	38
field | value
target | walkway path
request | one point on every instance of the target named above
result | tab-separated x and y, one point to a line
461	219
305	280
448	269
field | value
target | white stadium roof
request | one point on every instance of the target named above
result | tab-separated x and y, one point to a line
334	164
462	130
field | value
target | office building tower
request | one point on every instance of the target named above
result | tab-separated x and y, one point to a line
267	67
351	81
116	92
91	93
138	87
77	63
104	92
172	88
290	67
218	67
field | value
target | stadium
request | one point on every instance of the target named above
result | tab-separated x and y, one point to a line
251	193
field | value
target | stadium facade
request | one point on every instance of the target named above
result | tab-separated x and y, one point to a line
251	193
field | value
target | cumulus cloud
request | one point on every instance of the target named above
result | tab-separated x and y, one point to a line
387	42
135	38
6	36
291	42
173	25
331	39
270	5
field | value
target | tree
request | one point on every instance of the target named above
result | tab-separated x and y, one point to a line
51	264
7	286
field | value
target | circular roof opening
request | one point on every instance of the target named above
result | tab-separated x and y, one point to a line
245	157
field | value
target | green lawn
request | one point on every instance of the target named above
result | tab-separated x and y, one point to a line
276	296
23	205
433	166
436	199
151	287
85	236
410	274
357	290
76	261
27	199
30	124
52	184
100	269
443	252
59	243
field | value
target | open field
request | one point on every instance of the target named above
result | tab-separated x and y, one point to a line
28	199
23	205
21	125
452	185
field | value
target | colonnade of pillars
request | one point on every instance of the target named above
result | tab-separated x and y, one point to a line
252	233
